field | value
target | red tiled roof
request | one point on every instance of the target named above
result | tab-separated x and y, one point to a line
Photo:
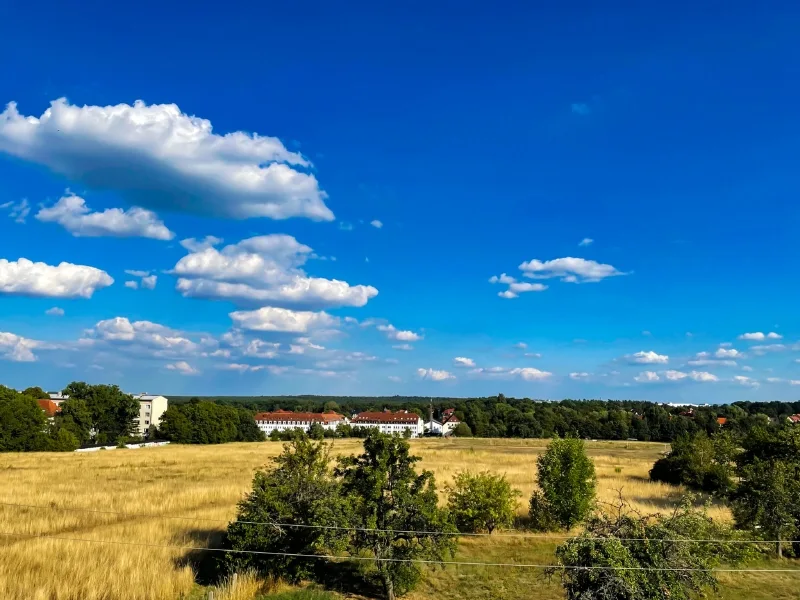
401	416
288	416
49	407
722	420
794	418
448	416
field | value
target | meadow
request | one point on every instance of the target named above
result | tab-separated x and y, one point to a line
201	486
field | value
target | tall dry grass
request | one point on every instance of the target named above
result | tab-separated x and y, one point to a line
205	483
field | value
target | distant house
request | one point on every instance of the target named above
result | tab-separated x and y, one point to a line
390	422
151	409
449	421
49	407
722	421
284	420
793	419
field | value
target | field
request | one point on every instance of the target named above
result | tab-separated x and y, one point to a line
201	484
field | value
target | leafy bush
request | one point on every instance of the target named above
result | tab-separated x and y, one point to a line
541	513
462	430
481	501
700	462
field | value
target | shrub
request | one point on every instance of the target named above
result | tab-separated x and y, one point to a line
462	430
541	514
481	501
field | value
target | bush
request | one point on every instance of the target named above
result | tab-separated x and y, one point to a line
481	501
462	430
541	514
700	462
567	482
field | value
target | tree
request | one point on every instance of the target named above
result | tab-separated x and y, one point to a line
481	501
22	423
462	430
298	490
700	462
75	417
248	430
567	482
627	556
396	510
113	411
316	432
330	406
63	440
36	393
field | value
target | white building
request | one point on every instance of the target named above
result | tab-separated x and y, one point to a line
391	422
57	397
151	408
444	427
284	420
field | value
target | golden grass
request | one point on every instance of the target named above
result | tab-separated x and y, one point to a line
205	483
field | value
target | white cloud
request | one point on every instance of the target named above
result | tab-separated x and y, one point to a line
434	375
183	368
262	270
747	368
745	381
270	318
502	278
398	334
132	285
515	288
701	376
18	211
521	345
728	353
195	245
579	376
73	215
403	347
765	348
141	337
26	278
461	361
17	348
158	157
647	377
526	373
759	336
377	224
395	379
711	362
569	269
794	382
647	358
586	242
533	354
149	282
135	273
55	312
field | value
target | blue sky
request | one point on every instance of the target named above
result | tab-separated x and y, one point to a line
625	175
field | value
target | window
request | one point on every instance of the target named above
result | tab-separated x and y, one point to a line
147	422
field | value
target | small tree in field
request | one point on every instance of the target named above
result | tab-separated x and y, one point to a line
396	510
567	482
462	430
481	501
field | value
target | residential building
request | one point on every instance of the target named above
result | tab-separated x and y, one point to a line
390	422
57	397
151	408
49	407
444	427
284	420
793	419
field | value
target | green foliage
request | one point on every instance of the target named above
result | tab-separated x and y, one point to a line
700	462
63	440
316	431
626	556
462	430
113	412
35	392
567	482
481	501
541	513
396	509
204	422
22	423
75	417
299	490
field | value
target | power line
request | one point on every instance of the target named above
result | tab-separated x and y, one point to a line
399	560
554	536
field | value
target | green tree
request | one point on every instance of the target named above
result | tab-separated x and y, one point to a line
316	432
396	510
175	425
23	423
299	490
75	417
247	430
567	482
701	462
330	405
481	501
622	555
462	430
36	393
63	440
113	411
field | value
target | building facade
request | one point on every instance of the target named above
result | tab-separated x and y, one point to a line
444	427
284	420
151	409
391	422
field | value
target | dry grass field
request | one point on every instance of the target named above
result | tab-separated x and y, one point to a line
202	484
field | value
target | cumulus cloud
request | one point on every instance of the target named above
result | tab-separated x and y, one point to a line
586	242
395	379
183	368
765	348
758	336
515	288
18	211
262	270
143	338
745	381
73	215
434	375
399	334
569	269
66	280
377	224
525	373
579	376
157	157
521	345
647	377
728	353
146	281
711	362
646	358
272	319
19	349
462	361
701	376
55	312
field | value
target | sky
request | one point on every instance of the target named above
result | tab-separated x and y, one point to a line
575	201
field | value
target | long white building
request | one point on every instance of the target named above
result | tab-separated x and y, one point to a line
391	422
151	409
284	420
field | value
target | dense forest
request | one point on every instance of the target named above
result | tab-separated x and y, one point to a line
498	416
